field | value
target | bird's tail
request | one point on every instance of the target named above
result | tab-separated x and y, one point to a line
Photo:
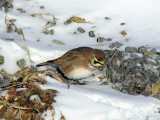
45	63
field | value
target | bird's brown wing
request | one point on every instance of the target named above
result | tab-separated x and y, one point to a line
69	56
66	58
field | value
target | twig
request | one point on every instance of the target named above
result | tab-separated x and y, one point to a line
8	87
6	104
19	111
52	21
21	32
3	72
111	58
53	74
41	15
106	65
26	49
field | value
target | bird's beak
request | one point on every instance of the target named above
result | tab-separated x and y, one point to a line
101	62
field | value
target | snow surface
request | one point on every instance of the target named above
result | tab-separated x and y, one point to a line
93	101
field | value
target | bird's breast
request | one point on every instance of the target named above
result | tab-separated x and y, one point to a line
79	73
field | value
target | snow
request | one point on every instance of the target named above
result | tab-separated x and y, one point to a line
92	101
95	102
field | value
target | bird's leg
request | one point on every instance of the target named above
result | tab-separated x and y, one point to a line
75	82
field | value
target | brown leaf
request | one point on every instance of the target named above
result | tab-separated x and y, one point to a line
155	89
2	109
12	89
58	42
62	117
21	10
123	32
12	20
9	96
78	20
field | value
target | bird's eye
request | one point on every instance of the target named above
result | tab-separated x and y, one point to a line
96	62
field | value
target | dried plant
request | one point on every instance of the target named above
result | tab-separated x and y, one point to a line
27	103
11	27
49	22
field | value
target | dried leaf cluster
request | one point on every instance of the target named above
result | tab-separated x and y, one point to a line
21	10
11	27
47	31
123	32
25	100
50	22
76	20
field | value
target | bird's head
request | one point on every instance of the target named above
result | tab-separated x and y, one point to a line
98	59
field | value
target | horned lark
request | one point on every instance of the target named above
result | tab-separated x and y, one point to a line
78	63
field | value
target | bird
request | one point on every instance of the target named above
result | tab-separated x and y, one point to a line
78	63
